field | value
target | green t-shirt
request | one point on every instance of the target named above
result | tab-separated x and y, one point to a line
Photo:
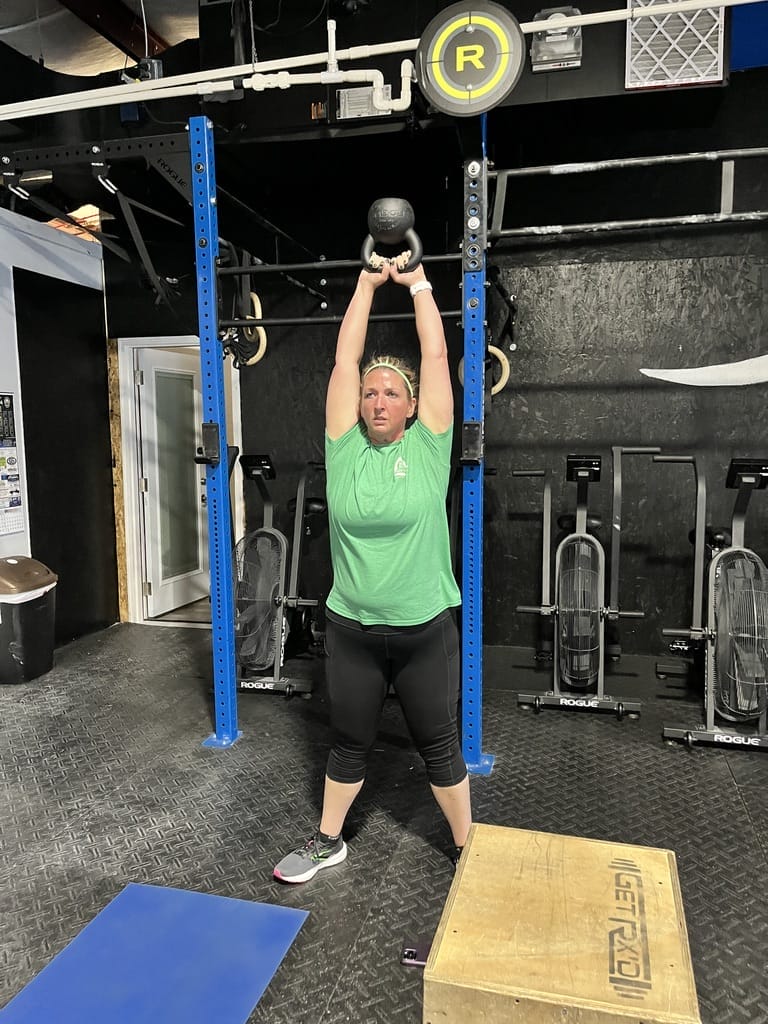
388	527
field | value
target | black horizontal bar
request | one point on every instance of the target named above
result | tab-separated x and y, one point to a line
262	268
287	321
84	152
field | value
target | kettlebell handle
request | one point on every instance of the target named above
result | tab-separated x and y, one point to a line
412	254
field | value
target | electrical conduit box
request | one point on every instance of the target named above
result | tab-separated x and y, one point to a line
556	49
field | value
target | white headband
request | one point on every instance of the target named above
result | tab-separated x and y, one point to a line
389	366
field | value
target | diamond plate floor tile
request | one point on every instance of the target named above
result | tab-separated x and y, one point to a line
104	782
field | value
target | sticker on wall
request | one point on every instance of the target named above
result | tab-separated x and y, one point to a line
11	514
470	57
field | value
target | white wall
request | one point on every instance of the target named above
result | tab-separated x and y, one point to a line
33	246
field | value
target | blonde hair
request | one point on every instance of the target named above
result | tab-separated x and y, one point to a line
405	370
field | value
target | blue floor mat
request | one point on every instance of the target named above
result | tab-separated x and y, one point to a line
162	955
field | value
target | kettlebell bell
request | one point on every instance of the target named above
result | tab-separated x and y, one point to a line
390	225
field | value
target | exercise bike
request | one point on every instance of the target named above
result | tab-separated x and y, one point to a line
269	610
732	644
578	613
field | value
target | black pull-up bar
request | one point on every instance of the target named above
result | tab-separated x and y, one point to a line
296	321
263	268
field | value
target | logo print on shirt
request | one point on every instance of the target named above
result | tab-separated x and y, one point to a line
401	468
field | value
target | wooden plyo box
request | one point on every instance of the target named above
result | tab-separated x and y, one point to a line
551	929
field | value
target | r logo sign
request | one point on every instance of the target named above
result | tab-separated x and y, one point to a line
468	60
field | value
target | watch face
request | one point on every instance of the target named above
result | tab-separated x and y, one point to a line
469	60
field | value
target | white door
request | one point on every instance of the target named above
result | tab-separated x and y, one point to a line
174	498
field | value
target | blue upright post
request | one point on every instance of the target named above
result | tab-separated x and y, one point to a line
472	457
214	448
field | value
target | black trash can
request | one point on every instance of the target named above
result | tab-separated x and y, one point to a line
27	617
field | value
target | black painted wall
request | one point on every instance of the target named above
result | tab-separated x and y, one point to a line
63	367
587	321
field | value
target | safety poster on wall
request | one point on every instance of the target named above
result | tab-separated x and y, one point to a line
11	514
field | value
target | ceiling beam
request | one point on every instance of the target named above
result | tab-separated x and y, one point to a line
117	23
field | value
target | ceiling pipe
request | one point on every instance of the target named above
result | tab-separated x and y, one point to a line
284	80
407	75
229	79
196	83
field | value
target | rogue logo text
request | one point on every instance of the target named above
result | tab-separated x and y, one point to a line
629	962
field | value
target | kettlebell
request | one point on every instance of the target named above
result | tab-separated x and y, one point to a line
390	224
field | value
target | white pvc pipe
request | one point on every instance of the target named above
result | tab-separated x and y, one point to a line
160	88
284	80
333	63
629	14
260	82
228	78
407	75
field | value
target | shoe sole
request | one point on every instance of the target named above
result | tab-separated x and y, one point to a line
335	858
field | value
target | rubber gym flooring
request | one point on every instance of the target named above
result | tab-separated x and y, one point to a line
105	782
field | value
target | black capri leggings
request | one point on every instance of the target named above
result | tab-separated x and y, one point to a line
422	663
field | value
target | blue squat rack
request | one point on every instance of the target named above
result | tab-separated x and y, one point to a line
213	452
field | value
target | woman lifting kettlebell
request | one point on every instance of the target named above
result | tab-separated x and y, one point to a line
389	614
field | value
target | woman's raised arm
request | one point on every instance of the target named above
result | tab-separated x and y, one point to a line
342	403
435	389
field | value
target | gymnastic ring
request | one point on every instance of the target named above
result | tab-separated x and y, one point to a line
503	363
253	334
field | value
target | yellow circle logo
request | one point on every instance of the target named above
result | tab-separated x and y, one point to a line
468	60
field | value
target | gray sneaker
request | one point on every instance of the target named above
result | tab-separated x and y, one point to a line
304	863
